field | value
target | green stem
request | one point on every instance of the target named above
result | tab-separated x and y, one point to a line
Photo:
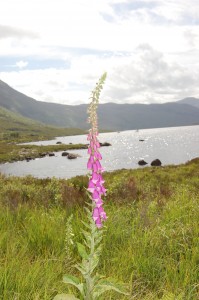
89	280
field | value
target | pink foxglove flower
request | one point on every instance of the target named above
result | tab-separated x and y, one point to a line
96	182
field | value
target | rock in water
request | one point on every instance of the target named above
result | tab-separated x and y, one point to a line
65	153
156	163
142	162
105	144
72	156
51	154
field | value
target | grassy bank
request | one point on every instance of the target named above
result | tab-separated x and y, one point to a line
151	241
10	152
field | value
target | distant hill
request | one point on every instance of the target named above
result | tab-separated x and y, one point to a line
48	113
133	116
14	125
111	116
191	101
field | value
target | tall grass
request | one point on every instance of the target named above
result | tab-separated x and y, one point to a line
152	240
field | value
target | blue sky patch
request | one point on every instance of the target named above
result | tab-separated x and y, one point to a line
85	51
107	17
134	5
8	64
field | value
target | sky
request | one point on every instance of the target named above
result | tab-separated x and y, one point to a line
55	50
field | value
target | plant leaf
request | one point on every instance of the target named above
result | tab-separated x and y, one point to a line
69	279
94	263
65	297
81	268
85	224
87	237
97	277
105	285
82	250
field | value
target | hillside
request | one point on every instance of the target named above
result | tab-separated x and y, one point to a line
48	113
191	101
111	116
13	125
132	116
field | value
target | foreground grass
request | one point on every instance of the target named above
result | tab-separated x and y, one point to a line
151	243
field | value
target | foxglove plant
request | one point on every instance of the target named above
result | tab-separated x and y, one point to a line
96	182
91	285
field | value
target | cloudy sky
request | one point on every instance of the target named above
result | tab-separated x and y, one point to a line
55	50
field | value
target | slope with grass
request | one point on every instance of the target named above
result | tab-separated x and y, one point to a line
14	126
151	243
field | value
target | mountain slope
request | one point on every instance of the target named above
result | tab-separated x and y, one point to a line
191	101
14	125
132	116
48	113
111	116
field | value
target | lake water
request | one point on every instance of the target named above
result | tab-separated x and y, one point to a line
171	145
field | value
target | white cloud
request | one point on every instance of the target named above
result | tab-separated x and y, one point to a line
147	76
21	64
14	32
94	36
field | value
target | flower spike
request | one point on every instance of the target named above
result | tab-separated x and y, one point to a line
95	187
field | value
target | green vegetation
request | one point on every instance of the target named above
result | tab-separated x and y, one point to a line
151	243
12	152
14	127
